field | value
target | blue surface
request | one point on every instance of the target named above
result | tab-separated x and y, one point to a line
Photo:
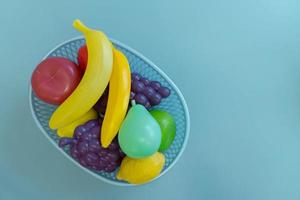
236	62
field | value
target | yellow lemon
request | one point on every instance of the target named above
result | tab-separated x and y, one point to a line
142	170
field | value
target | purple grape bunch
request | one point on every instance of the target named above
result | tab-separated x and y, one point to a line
143	91
86	149
101	104
146	92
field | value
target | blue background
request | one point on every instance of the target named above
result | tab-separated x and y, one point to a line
236	62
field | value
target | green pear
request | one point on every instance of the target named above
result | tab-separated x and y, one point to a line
140	134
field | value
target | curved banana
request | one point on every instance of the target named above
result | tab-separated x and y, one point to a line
94	80
118	98
68	131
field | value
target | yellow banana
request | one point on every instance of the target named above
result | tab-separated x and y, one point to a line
118	98
94	80
68	131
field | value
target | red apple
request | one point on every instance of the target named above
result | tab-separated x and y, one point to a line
82	57
54	79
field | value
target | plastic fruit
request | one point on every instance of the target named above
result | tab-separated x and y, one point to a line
118	98
167	126
94	80
138	171
82	57
140	134
146	92
101	104
85	148
142	90
54	79
68	130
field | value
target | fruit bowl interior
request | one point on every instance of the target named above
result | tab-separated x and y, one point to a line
174	104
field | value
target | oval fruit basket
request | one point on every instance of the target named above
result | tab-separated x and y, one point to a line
174	104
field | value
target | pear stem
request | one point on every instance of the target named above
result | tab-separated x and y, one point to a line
133	102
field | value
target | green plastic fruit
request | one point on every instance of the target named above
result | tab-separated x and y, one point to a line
168	128
140	134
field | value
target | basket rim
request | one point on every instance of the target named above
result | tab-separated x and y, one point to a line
163	74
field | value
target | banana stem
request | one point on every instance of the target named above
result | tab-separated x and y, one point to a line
80	26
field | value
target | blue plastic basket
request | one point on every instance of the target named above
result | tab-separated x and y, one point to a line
174	104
